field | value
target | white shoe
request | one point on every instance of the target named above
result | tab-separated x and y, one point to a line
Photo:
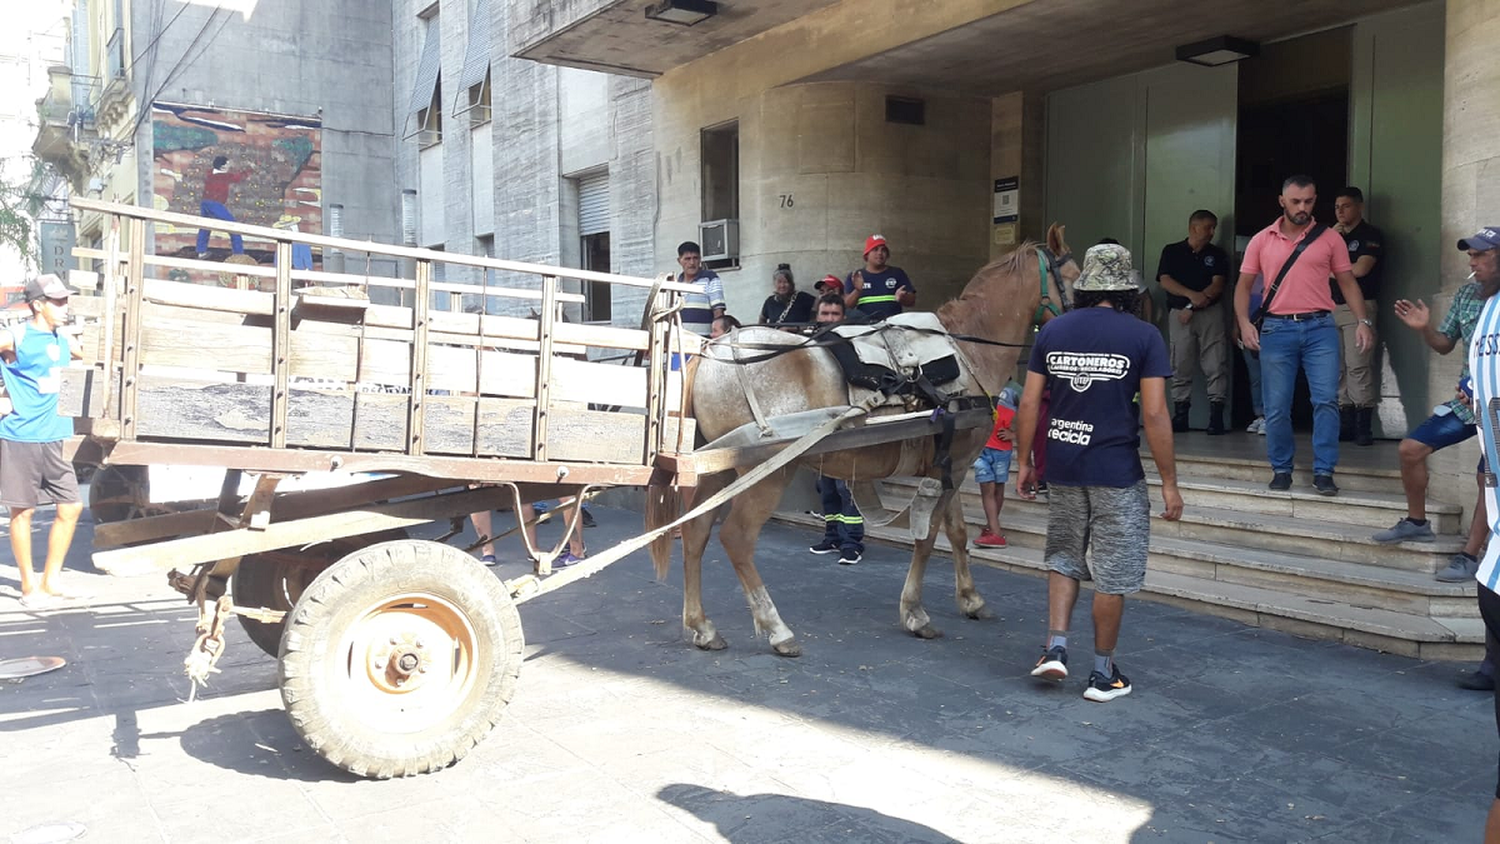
1258	426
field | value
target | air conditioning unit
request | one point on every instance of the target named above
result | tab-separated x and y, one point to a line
720	240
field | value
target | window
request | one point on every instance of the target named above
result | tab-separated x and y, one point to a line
479	102
425	117
593	232
474	84
721	181
907	110
598	306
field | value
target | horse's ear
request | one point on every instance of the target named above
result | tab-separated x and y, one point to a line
1055	240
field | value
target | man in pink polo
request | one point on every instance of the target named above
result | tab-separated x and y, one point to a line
1298	329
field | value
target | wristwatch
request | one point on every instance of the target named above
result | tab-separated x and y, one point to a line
1367	322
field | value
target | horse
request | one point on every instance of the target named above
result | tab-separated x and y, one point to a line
1001	303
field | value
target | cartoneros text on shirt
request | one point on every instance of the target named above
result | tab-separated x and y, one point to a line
1094	360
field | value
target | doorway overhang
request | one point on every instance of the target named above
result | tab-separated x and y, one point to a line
1051	44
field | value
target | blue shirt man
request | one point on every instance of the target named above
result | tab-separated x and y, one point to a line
32	357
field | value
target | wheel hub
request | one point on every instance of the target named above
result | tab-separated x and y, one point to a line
399	664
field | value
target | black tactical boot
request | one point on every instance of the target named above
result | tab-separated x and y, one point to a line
1216	419
1180	417
1346	423
1363	416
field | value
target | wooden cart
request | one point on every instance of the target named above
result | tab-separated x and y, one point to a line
397	655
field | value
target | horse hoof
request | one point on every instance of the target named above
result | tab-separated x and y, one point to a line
788	648
927	631
717	643
981	614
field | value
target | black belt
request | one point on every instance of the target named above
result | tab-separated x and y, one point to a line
1299	317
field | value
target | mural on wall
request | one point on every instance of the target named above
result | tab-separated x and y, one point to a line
260	169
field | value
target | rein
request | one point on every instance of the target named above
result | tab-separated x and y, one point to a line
1047	263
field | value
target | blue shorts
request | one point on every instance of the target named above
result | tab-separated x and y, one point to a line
992	466
1439	432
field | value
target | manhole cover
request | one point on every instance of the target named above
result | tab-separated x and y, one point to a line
30	666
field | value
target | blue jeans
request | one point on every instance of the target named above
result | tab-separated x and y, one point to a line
1252	369
216	210
1312	345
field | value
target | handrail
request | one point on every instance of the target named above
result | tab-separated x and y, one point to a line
188	221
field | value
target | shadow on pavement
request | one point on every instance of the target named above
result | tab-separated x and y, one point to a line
768	818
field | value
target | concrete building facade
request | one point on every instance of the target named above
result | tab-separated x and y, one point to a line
293	93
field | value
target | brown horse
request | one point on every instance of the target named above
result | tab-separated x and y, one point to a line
1001	303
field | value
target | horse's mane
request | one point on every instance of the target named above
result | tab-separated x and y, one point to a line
1011	261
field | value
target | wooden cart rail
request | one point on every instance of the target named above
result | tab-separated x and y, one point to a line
313	369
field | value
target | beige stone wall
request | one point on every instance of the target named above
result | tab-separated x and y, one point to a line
820	170
1471	196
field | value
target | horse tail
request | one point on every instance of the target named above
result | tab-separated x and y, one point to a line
663	504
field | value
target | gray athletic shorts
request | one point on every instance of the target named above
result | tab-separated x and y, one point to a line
1113	522
32	474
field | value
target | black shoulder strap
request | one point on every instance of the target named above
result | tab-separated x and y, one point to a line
1265	306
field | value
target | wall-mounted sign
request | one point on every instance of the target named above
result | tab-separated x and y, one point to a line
56	247
1007	200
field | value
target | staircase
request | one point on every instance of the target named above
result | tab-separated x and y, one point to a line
1291	561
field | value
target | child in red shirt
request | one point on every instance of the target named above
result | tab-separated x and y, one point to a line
992	469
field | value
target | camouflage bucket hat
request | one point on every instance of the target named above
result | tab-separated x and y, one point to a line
1106	267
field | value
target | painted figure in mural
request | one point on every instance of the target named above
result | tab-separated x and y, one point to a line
215	202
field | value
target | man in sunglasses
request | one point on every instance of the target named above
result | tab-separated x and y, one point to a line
33	470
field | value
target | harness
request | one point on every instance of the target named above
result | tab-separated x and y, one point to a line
1046	264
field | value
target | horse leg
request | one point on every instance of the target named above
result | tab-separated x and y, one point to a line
913	617
738	536
970	602
695	535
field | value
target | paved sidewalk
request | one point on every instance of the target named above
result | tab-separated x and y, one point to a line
622	731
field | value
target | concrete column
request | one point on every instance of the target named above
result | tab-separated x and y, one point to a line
1018	137
1471	194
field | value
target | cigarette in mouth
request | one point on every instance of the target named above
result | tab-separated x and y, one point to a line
1471	277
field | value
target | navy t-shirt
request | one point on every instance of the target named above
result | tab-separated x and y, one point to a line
877	297
1094	360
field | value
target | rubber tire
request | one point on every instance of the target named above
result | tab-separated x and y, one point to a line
337	598
260	580
116	481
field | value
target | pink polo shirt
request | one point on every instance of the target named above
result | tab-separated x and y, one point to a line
1305	287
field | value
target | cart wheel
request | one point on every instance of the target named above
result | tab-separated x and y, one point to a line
117	493
275	580
400	658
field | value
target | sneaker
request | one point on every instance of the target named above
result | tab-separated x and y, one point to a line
1053	665
1041	487
850	558
587	519
1460	569
39	601
1258	426
826	546
990	540
1475	681
1104	689
1324	485
1280	482
1406	531
567	559
489	560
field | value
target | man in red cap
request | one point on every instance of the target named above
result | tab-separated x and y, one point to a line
879	290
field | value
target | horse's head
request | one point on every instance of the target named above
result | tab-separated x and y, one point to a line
1063	271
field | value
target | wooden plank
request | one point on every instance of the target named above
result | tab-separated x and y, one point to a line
171	341
281	339
465	469
134	293
202	297
112	324
362	247
415	401
715	460
544	369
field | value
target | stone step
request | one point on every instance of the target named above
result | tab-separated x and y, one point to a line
1232	464
1353	622
1237	528
1350	507
1303	573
